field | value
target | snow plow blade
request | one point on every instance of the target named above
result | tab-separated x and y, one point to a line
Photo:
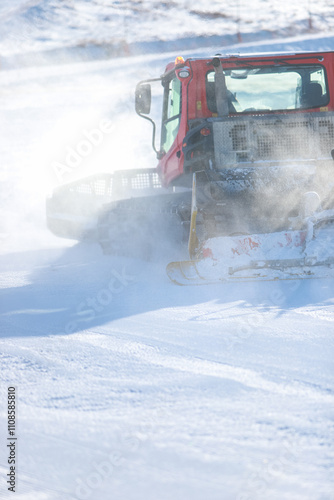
283	255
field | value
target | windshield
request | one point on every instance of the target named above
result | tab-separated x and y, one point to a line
271	88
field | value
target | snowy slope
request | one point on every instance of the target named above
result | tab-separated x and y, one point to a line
129	387
41	31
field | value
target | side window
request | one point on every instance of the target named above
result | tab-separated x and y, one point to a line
319	78
314	90
171	113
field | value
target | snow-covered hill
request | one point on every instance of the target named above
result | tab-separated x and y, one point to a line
129	387
39	31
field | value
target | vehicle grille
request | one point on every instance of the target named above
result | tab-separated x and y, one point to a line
273	138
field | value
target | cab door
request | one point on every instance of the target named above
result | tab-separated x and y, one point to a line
171	158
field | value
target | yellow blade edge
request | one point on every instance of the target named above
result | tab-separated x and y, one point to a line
193	242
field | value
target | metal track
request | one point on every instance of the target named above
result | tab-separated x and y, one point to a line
142	227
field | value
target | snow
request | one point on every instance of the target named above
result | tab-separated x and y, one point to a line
40	31
129	387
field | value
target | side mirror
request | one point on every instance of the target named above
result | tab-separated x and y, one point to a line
143	99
